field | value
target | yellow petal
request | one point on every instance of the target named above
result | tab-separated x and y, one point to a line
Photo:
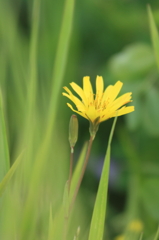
99	88
79	91
105	116
80	113
80	106
115	91
87	88
106	94
92	113
109	113
69	95
122	100
111	93
73	98
123	111
67	90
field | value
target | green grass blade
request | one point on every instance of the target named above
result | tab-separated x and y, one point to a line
14	51
33	58
66	200
60	61
77	170
56	230
99	212
157	234
4	152
141	236
50	223
154	35
9	174
32	83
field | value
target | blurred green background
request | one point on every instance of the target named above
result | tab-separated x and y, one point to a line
110	38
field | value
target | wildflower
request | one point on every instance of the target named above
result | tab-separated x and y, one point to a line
100	106
120	237
135	226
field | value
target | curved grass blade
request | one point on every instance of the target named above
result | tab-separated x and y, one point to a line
32	86
99	212
157	235
50	223
40	159
9	174
77	171
141	236
58	225
4	152
154	35
60	61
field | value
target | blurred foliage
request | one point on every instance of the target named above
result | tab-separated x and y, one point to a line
136	66
109	38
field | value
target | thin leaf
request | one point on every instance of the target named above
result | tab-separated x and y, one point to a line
66	200
60	61
50	223
32	86
77	170
59	67
99	212
56	226
141	236
157	234
154	35
8	176
4	152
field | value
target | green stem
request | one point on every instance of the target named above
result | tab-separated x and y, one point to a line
82	172
71	166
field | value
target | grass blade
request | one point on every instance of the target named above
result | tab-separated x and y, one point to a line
99	212
157	234
77	171
59	67
154	35
33	60
60	61
9	174
57	225
4	152
50	224
141	236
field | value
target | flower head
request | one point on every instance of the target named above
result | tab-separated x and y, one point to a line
135	226
100	106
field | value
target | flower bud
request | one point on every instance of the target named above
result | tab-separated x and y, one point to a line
73	130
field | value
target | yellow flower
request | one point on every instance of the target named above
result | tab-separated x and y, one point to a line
120	237
100	106
135	226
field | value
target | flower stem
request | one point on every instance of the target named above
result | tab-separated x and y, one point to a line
82	172
71	166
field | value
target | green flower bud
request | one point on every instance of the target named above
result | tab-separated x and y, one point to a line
73	130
